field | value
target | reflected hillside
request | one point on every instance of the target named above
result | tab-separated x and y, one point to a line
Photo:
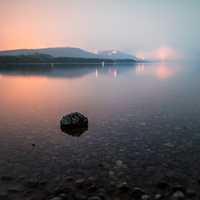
63	71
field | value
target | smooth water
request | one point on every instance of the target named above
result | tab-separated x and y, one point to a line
146	116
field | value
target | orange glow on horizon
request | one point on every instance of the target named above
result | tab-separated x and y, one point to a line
162	54
41	28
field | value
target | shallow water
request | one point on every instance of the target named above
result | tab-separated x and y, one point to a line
144	117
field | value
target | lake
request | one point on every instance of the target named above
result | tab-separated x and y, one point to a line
144	122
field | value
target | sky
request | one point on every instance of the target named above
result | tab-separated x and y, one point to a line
147	28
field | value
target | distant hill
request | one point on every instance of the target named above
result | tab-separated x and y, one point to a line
68	52
55	52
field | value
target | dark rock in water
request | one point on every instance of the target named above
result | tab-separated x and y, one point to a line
74	124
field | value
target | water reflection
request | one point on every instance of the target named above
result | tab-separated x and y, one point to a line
65	72
77	132
139	69
113	71
161	71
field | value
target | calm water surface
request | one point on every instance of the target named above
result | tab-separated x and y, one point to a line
145	116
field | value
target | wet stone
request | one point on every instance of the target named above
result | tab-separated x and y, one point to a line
179	188
80	197
179	195
158	197
80	183
145	197
74	120
63	195
92	188
119	163
123	187
91	179
69	179
56	198
15	189
190	193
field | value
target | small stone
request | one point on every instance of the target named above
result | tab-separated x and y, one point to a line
190	193
92	188
56	198
145	197
158	196
123	187
178	188
91	179
137	192
15	189
111	173
80	183
94	198
80	197
33	145
102	194
68	178
63	195
178	195
119	163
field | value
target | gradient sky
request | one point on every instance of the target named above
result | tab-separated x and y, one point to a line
130	25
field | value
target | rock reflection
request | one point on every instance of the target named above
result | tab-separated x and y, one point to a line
75	132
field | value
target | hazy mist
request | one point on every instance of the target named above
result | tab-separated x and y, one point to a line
137	26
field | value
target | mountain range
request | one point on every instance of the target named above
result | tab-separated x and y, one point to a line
69	52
